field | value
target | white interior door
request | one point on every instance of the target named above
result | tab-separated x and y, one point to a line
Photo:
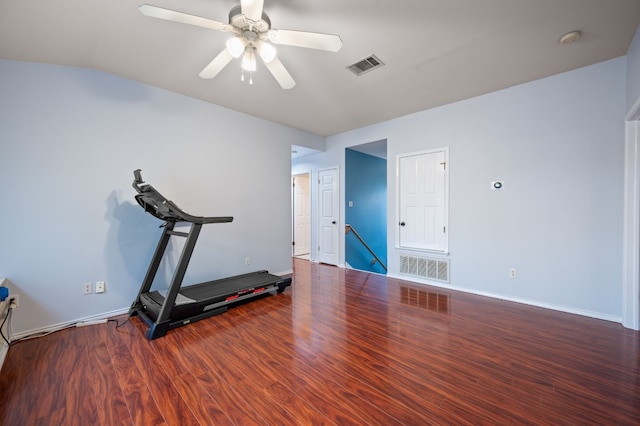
423	201
301	215
328	235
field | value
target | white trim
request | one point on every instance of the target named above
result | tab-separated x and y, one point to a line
559	308
309	174
4	349
67	324
351	268
4	310
634	112
631	230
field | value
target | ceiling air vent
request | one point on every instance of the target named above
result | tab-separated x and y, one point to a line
365	65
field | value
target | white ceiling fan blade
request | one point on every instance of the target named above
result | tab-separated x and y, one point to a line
215	66
280	73
268	54
184	18
252	9
329	42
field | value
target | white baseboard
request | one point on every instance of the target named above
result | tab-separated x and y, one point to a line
67	324
4	310
569	310
4	349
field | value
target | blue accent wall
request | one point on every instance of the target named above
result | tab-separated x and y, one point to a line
366	188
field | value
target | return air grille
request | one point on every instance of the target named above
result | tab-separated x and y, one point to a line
365	65
425	267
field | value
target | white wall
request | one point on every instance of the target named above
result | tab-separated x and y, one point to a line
69	141
558	144
633	73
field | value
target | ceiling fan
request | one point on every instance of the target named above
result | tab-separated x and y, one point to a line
252	32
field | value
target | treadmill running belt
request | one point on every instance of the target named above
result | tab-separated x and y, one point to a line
222	288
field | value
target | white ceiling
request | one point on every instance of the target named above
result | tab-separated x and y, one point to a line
436	51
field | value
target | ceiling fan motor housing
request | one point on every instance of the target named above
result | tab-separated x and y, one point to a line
250	30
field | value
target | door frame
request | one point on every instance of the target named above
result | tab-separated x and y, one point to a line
631	238
293	211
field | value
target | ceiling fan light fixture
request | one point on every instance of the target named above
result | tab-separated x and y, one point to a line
249	59
236	46
267	52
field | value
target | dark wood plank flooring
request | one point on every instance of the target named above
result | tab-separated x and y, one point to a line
339	347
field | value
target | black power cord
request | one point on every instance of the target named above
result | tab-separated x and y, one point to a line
118	325
10	310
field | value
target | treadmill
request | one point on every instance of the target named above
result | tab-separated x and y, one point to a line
175	307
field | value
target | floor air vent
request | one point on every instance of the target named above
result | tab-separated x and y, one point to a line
425	267
365	65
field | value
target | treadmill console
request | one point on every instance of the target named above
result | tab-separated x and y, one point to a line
157	205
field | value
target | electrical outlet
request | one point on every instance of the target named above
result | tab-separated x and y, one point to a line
87	288
14	301
100	287
513	273
247	261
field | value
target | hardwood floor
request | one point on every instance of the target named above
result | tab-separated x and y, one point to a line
338	347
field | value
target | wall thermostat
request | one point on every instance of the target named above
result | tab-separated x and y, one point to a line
497	184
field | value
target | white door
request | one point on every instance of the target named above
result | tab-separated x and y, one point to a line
301	215
328	235
422	189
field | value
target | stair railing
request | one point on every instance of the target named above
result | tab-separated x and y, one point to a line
348	228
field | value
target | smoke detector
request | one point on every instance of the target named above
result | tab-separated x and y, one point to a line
570	37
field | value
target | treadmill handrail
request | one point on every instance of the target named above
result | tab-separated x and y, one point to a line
159	206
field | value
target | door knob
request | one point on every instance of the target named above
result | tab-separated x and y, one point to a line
333	222
402	224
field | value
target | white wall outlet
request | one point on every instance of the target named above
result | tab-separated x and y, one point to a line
100	286
87	288
513	273
247	261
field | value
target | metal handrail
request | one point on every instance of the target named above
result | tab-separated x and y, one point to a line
350	228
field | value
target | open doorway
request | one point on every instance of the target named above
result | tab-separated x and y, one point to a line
301	201
366	207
